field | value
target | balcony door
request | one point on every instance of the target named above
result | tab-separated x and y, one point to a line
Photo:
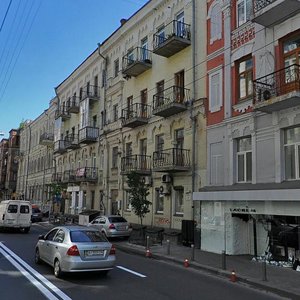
179	152
291	57
179	87
144	97
143	153
160	86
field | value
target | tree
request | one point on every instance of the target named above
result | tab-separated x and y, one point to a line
138	192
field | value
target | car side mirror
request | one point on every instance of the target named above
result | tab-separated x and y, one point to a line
41	237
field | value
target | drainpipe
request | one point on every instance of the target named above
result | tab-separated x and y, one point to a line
27	171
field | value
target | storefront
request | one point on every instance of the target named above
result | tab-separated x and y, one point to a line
256	222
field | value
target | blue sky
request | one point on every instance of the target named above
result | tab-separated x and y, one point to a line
42	42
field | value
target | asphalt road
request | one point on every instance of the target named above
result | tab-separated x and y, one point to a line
134	277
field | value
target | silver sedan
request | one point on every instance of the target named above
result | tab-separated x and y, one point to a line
75	249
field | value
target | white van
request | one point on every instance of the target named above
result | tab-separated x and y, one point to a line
15	214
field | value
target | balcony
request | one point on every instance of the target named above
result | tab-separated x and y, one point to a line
88	135
278	90
140	164
62	112
172	39
171	160
271	12
170	101
136	62
87	174
69	176
71	141
59	147
47	139
73	105
91	92
135	115
57	177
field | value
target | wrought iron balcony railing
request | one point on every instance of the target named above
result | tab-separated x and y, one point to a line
138	163
59	146
91	92
174	37
62	112
136	114
171	160
87	174
57	177
71	141
275	91
73	104
69	176
88	134
46	138
271	12
136	61
170	101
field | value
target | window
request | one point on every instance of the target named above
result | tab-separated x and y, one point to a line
144	49
215	91
12	209
292	153
160	36
245	79
216	164
179	192
244	9
115	112
130	57
114	157
180	31
159	202
60	236
116	67
103	78
159	143
244	160
160	86
24	209
215	23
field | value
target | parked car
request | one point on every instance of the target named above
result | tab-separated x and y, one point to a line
15	214
37	215
112	226
75	249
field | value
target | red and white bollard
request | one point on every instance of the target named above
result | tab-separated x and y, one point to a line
148	253
186	263
233	277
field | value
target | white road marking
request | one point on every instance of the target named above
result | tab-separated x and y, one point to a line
132	272
45	291
40	277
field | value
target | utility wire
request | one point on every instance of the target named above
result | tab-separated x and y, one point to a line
5	15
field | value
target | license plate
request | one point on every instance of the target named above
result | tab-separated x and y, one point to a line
122	228
94	252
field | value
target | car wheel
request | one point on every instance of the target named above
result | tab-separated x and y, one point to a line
37	258
57	269
24	229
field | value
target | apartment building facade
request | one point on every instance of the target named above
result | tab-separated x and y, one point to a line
36	164
250	204
3	165
137	104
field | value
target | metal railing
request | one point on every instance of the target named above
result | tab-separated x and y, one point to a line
136	162
59	146
173	94
72	102
173	157
277	83
90	91
88	133
173	29
87	174
261	4
138	54
136	110
47	137
71	140
69	176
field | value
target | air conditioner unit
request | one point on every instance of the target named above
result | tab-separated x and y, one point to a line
165	190
166	178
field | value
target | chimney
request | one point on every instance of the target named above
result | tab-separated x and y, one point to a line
123	21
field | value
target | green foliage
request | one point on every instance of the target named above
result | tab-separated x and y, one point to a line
138	192
56	189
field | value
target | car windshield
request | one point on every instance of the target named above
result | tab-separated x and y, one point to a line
116	220
85	236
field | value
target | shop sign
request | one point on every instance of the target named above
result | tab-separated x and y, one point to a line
240	210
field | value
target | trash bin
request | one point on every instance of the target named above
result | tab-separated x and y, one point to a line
86	216
187	229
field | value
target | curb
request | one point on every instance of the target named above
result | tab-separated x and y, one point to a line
211	270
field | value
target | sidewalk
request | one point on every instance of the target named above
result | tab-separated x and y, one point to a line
281	281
